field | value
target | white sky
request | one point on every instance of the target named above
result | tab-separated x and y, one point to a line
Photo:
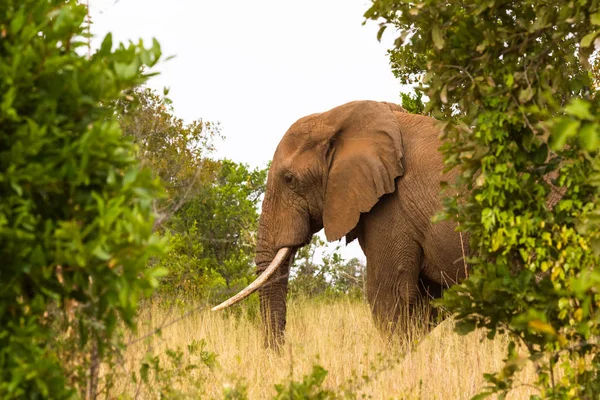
256	66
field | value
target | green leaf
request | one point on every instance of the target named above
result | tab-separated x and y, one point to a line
16	187
17	21
482	46
482	395
588	136
145	57
541	326
130	176
579	108
159	272
464	327
526	94
156	51
101	253
436	35
562	131
144	372
595	18
106	46
540	154
527	140
126	71
588	39
444	94
380	32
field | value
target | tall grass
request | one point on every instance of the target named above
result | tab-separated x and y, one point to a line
340	336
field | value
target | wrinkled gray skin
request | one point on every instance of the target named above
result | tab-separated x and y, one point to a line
366	170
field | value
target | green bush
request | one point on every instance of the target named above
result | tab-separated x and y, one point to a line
311	387
209	216
179	375
175	151
513	83
211	236
75	208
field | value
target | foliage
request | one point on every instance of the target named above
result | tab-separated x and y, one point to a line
512	80
226	214
175	373
331	276
213	234
237	391
190	273
180	375
76	210
210	214
413	103
311	387
183	374
175	151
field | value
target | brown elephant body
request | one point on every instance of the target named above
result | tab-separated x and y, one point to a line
367	170
404	249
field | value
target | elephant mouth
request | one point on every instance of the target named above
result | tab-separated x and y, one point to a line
280	258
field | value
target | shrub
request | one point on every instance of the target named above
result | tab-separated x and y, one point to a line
75	208
513	83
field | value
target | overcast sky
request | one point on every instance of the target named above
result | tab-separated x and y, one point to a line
256	66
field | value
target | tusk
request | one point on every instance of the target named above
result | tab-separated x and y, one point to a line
280	257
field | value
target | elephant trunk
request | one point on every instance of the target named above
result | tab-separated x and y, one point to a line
279	236
272	284
280	226
273	296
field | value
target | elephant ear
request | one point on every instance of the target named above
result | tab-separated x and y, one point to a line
365	158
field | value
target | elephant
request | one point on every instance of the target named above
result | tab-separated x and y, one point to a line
364	170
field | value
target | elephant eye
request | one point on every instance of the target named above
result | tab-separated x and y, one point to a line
289	178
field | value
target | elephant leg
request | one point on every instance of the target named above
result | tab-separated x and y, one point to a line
393	285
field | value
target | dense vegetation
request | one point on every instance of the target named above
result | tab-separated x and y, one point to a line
76	212
209	215
513	83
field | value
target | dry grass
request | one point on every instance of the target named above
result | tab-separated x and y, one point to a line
342	338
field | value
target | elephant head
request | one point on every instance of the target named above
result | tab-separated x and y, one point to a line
327	170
